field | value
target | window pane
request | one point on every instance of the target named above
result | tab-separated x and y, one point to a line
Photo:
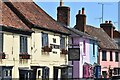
1	42
111	56
116	57
62	42
54	40
104	55
23	44
93	49
84	47
44	39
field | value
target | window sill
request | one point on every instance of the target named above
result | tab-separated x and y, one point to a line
104	60
116	61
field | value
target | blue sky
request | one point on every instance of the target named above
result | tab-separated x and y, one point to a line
93	11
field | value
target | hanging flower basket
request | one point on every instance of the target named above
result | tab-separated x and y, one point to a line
2	55
64	51
24	56
47	49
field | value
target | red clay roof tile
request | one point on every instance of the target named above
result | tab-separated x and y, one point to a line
37	16
9	19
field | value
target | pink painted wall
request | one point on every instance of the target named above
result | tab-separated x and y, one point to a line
105	64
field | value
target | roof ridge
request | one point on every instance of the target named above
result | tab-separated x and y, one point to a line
103	37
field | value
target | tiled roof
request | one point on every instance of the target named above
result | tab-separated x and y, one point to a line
116	34
9	19
75	32
105	42
38	17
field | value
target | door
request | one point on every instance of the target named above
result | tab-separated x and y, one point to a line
55	73
25	74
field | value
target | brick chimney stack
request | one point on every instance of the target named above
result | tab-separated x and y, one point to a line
63	14
108	28
81	21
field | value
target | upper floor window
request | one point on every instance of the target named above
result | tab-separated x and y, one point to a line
54	40
111	59
62	42
93	49
1	42
23	44
104	56
84	47
44	39
116	56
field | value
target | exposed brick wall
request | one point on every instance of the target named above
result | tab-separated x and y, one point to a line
63	15
108	28
81	21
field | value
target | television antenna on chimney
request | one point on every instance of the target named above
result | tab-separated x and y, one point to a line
102	4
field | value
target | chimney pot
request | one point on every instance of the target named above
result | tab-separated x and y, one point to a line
79	12
110	22
83	10
61	3
106	21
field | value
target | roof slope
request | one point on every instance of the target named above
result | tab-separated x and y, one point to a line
105	42
9	19
75	32
37	16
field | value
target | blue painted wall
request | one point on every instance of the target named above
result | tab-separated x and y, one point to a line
92	57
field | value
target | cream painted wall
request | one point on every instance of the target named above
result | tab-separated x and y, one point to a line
50	59
11	47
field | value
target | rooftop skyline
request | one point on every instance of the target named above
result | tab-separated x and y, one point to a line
93	11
